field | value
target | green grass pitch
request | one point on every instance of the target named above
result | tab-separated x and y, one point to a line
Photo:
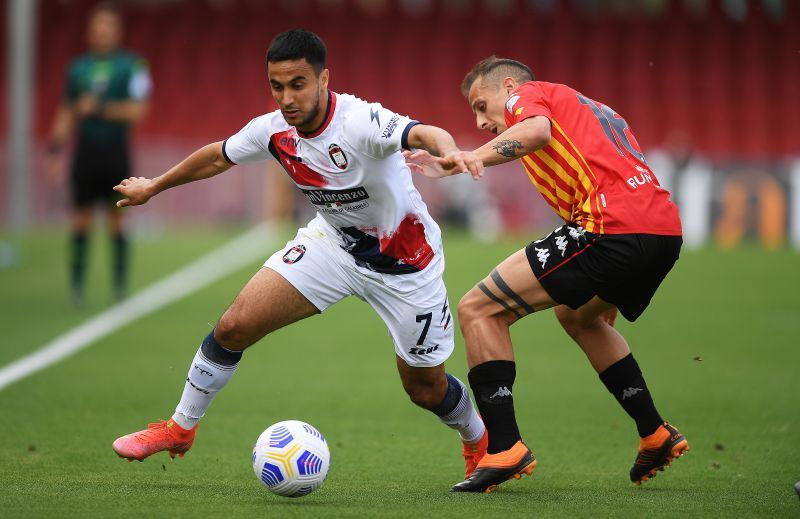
739	406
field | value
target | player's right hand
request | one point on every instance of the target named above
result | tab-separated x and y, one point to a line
136	190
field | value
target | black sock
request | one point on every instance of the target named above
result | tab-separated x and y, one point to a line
77	266
120	265
491	383
625	381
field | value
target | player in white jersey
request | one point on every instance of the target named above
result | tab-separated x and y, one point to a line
372	237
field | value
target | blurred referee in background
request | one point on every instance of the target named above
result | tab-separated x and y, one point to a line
106	93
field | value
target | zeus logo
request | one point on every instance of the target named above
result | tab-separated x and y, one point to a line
423	351
374	115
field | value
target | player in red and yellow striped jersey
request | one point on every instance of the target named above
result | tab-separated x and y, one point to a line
621	236
591	171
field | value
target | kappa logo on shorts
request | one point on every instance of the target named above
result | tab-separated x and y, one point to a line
294	254
542	255
561	243
577	233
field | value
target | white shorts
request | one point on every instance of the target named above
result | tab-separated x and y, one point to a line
413	306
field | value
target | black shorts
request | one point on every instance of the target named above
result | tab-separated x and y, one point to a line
96	169
574	265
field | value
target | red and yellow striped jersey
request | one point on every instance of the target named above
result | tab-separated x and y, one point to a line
592	172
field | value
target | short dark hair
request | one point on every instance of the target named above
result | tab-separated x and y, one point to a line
298	44
496	67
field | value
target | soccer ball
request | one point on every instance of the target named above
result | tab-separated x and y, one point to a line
291	458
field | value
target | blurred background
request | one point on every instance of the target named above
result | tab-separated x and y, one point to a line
709	87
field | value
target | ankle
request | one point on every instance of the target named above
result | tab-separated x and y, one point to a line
517	448
655	439
184	423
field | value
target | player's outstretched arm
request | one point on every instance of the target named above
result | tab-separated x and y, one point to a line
519	140
204	163
449	159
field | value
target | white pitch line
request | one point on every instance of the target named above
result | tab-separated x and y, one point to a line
215	265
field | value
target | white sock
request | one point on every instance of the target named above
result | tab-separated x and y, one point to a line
464	418
206	377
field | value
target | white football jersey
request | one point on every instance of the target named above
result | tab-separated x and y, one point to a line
352	170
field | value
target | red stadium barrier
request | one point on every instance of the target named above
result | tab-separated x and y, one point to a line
731	84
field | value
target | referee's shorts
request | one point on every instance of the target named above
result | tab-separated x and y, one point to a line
96	169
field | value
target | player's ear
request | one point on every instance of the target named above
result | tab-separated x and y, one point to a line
509	84
323	79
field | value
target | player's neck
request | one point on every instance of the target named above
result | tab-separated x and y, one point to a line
316	123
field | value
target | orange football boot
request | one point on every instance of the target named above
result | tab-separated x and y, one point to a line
473	452
494	469
159	436
657	451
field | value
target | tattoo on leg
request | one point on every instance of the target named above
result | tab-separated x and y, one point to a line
502	285
507	148
497	300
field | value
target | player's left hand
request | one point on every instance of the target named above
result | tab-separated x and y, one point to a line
452	163
421	161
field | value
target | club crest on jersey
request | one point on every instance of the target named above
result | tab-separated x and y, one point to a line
337	156
294	254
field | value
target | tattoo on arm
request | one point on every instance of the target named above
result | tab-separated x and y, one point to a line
507	148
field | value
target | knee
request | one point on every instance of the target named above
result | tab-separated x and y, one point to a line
423	394
232	333
475	309
572	322
470	308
